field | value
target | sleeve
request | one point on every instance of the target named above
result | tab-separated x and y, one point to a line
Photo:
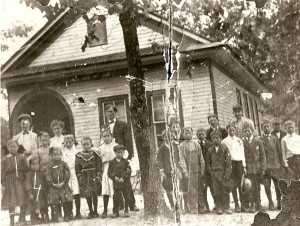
280	152
111	171
35	144
67	174
98	166
78	168
228	167
262	156
49	176
243	153
208	159
127	172
182	163
224	134
3	174
201	159
24	163
28	184
128	140
160	158
284	151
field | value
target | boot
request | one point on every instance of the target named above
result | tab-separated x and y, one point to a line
237	208
271	206
252	208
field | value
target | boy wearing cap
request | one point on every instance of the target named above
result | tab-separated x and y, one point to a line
119	171
26	138
219	168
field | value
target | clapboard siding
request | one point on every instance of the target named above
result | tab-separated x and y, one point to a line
226	96
67	47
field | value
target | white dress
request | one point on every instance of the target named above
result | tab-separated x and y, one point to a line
69	156
57	142
106	152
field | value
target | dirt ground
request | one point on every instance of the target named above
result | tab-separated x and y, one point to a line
137	219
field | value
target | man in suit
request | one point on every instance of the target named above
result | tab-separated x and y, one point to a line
274	164
122	134
277	132
214	125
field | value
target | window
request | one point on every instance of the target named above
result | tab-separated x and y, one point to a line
251	110
239	97
245	105
97	34
156	107
121	102
257	116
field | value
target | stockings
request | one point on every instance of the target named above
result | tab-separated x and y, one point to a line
105	201
92	201
77	204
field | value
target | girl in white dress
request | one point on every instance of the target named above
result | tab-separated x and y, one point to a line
69	155
106	153
58	140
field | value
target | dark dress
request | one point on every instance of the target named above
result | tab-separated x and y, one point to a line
13	170
58	172
88	168
37	186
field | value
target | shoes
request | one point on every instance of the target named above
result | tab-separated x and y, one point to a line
252	209
77	216
237	209
104	214
135	209
219	210
21	221
258	207
201	211
227	211
271	206
115	215
91	215
60	219
126	214
96	214
67	219
245	209
278	205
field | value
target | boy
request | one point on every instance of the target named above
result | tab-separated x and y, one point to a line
255	164
219	168
274	163
205	145
166	168
239	120
277	132
119	171
236	150
214	125
291	148
192	166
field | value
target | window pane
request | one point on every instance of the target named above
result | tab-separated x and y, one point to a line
159	115
158	101
246	108
251	110
160	141
238	96
160	127
122	114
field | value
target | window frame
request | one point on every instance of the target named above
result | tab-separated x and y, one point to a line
239	96
246	105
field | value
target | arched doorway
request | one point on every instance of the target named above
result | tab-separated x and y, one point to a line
43	106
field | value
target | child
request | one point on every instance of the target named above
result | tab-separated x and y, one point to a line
58	139
274	163
13	170
88	168
255	164
236	149
291	148
58	176
192	166
219	168
166	168
119	171
37	190
205	145
106	154
43	152
213	121
69	156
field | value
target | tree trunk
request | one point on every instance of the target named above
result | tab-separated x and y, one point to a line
150	179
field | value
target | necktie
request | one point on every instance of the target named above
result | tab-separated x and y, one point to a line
201	144
25	132
111	122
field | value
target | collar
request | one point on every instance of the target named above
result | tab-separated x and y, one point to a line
25	132
112	121
290	135
215	128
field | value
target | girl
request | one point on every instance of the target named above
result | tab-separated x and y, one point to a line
13	170
88	169
69	156
58	139
43	153
106	154
37	189
58	176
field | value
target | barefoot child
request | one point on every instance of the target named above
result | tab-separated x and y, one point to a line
37	190
106	154
69	156
88	168
60	194
13	169
119	171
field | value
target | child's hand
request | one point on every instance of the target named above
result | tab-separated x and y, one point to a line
163	175
55	186
121	180
245	171
117	179
31	197
186	175
61	184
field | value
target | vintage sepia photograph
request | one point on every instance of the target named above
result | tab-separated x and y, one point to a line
150	112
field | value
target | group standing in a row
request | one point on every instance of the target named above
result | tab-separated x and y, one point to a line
221	159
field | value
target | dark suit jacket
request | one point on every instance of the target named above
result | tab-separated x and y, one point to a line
255	155
122	135
209	131
205	148
274	159
121	170
282	134
219	164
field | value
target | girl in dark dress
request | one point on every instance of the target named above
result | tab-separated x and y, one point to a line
13	170
88	167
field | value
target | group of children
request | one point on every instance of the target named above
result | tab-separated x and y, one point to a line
57	173
230	164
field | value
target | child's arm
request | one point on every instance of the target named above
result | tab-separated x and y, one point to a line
49	175
127	172
98	166
66	172
28	185
3	174
160	159
78	169
262	157
243	152
284	150
228	167
201	159
111	171
208	160
182	163
280	154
